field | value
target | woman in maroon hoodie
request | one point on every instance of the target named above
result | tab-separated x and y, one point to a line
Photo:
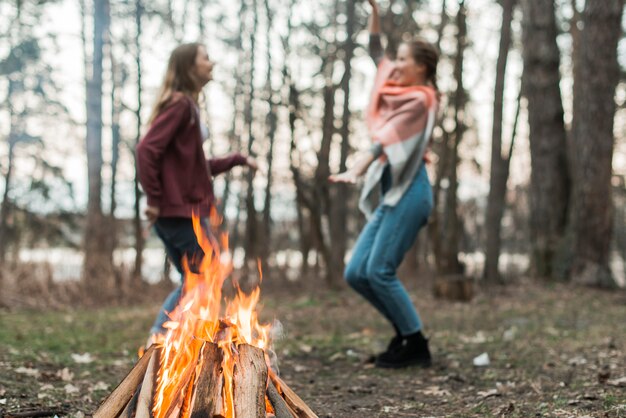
173	170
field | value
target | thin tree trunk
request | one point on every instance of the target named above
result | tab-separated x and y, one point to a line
139	239
594	112
96	268
549	183
343	193
6	204
251	220
499	176
452	225
271	122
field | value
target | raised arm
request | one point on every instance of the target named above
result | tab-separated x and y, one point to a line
376	48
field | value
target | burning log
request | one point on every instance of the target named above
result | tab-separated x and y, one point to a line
208	395
281	409
249	382
117	400
145	393
297	405
202	391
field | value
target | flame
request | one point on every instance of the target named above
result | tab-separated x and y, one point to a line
197	319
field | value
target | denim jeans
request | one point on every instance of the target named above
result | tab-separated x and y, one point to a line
180	241
380	248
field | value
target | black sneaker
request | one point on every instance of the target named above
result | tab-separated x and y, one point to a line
413	352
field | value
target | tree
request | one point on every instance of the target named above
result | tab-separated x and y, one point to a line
98	257
499	164
549	182
593	139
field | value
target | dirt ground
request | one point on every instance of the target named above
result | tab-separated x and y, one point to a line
554	351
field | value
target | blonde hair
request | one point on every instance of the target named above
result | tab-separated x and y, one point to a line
178	77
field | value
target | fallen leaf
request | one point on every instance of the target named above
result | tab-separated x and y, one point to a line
69	389
488	393
305	348
300	368
336	356
47	386
65	375
479	338
620	383
509	334
82	358
27	371
100	386
3	401
436	391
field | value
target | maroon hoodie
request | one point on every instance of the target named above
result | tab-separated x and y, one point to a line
173	171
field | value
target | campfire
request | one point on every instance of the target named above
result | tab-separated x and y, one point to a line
209	364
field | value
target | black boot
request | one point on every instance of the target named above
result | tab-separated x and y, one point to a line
394	344
413	351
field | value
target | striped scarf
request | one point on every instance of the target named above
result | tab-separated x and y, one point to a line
400	119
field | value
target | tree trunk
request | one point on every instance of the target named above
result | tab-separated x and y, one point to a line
139	239
5	209
342	192
251	241
594	112
97	267
271	123
449	262
499	174
549	182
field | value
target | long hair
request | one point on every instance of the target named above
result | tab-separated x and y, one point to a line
424	52
178	77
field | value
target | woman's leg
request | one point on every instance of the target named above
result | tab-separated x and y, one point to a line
396	233
356	267
180	241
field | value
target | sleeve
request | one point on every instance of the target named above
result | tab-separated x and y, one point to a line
376	48
153	145
220	165
376	149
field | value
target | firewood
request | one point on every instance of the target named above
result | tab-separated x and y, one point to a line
131	406
249	382
208	392
281	409
117	400
144	403
296	404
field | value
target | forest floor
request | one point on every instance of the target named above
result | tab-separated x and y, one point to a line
554	350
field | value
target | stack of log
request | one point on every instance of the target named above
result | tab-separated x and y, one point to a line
257	391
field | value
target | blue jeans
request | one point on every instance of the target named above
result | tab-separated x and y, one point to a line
380	248
180	241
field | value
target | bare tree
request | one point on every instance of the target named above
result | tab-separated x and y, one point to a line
549	182
499	164
594	112
97	265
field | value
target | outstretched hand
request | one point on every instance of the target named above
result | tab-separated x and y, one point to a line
348	177
251	162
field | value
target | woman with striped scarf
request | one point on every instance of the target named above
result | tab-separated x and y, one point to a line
397	196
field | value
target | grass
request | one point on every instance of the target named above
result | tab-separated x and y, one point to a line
558	339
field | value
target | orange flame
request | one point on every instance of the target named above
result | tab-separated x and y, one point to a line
197	319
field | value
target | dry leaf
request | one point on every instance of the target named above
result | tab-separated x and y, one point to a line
82	358
100	386
488	393
27	371
620	383
436	391
69	389
65	375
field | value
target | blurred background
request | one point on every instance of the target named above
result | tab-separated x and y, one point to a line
528	161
